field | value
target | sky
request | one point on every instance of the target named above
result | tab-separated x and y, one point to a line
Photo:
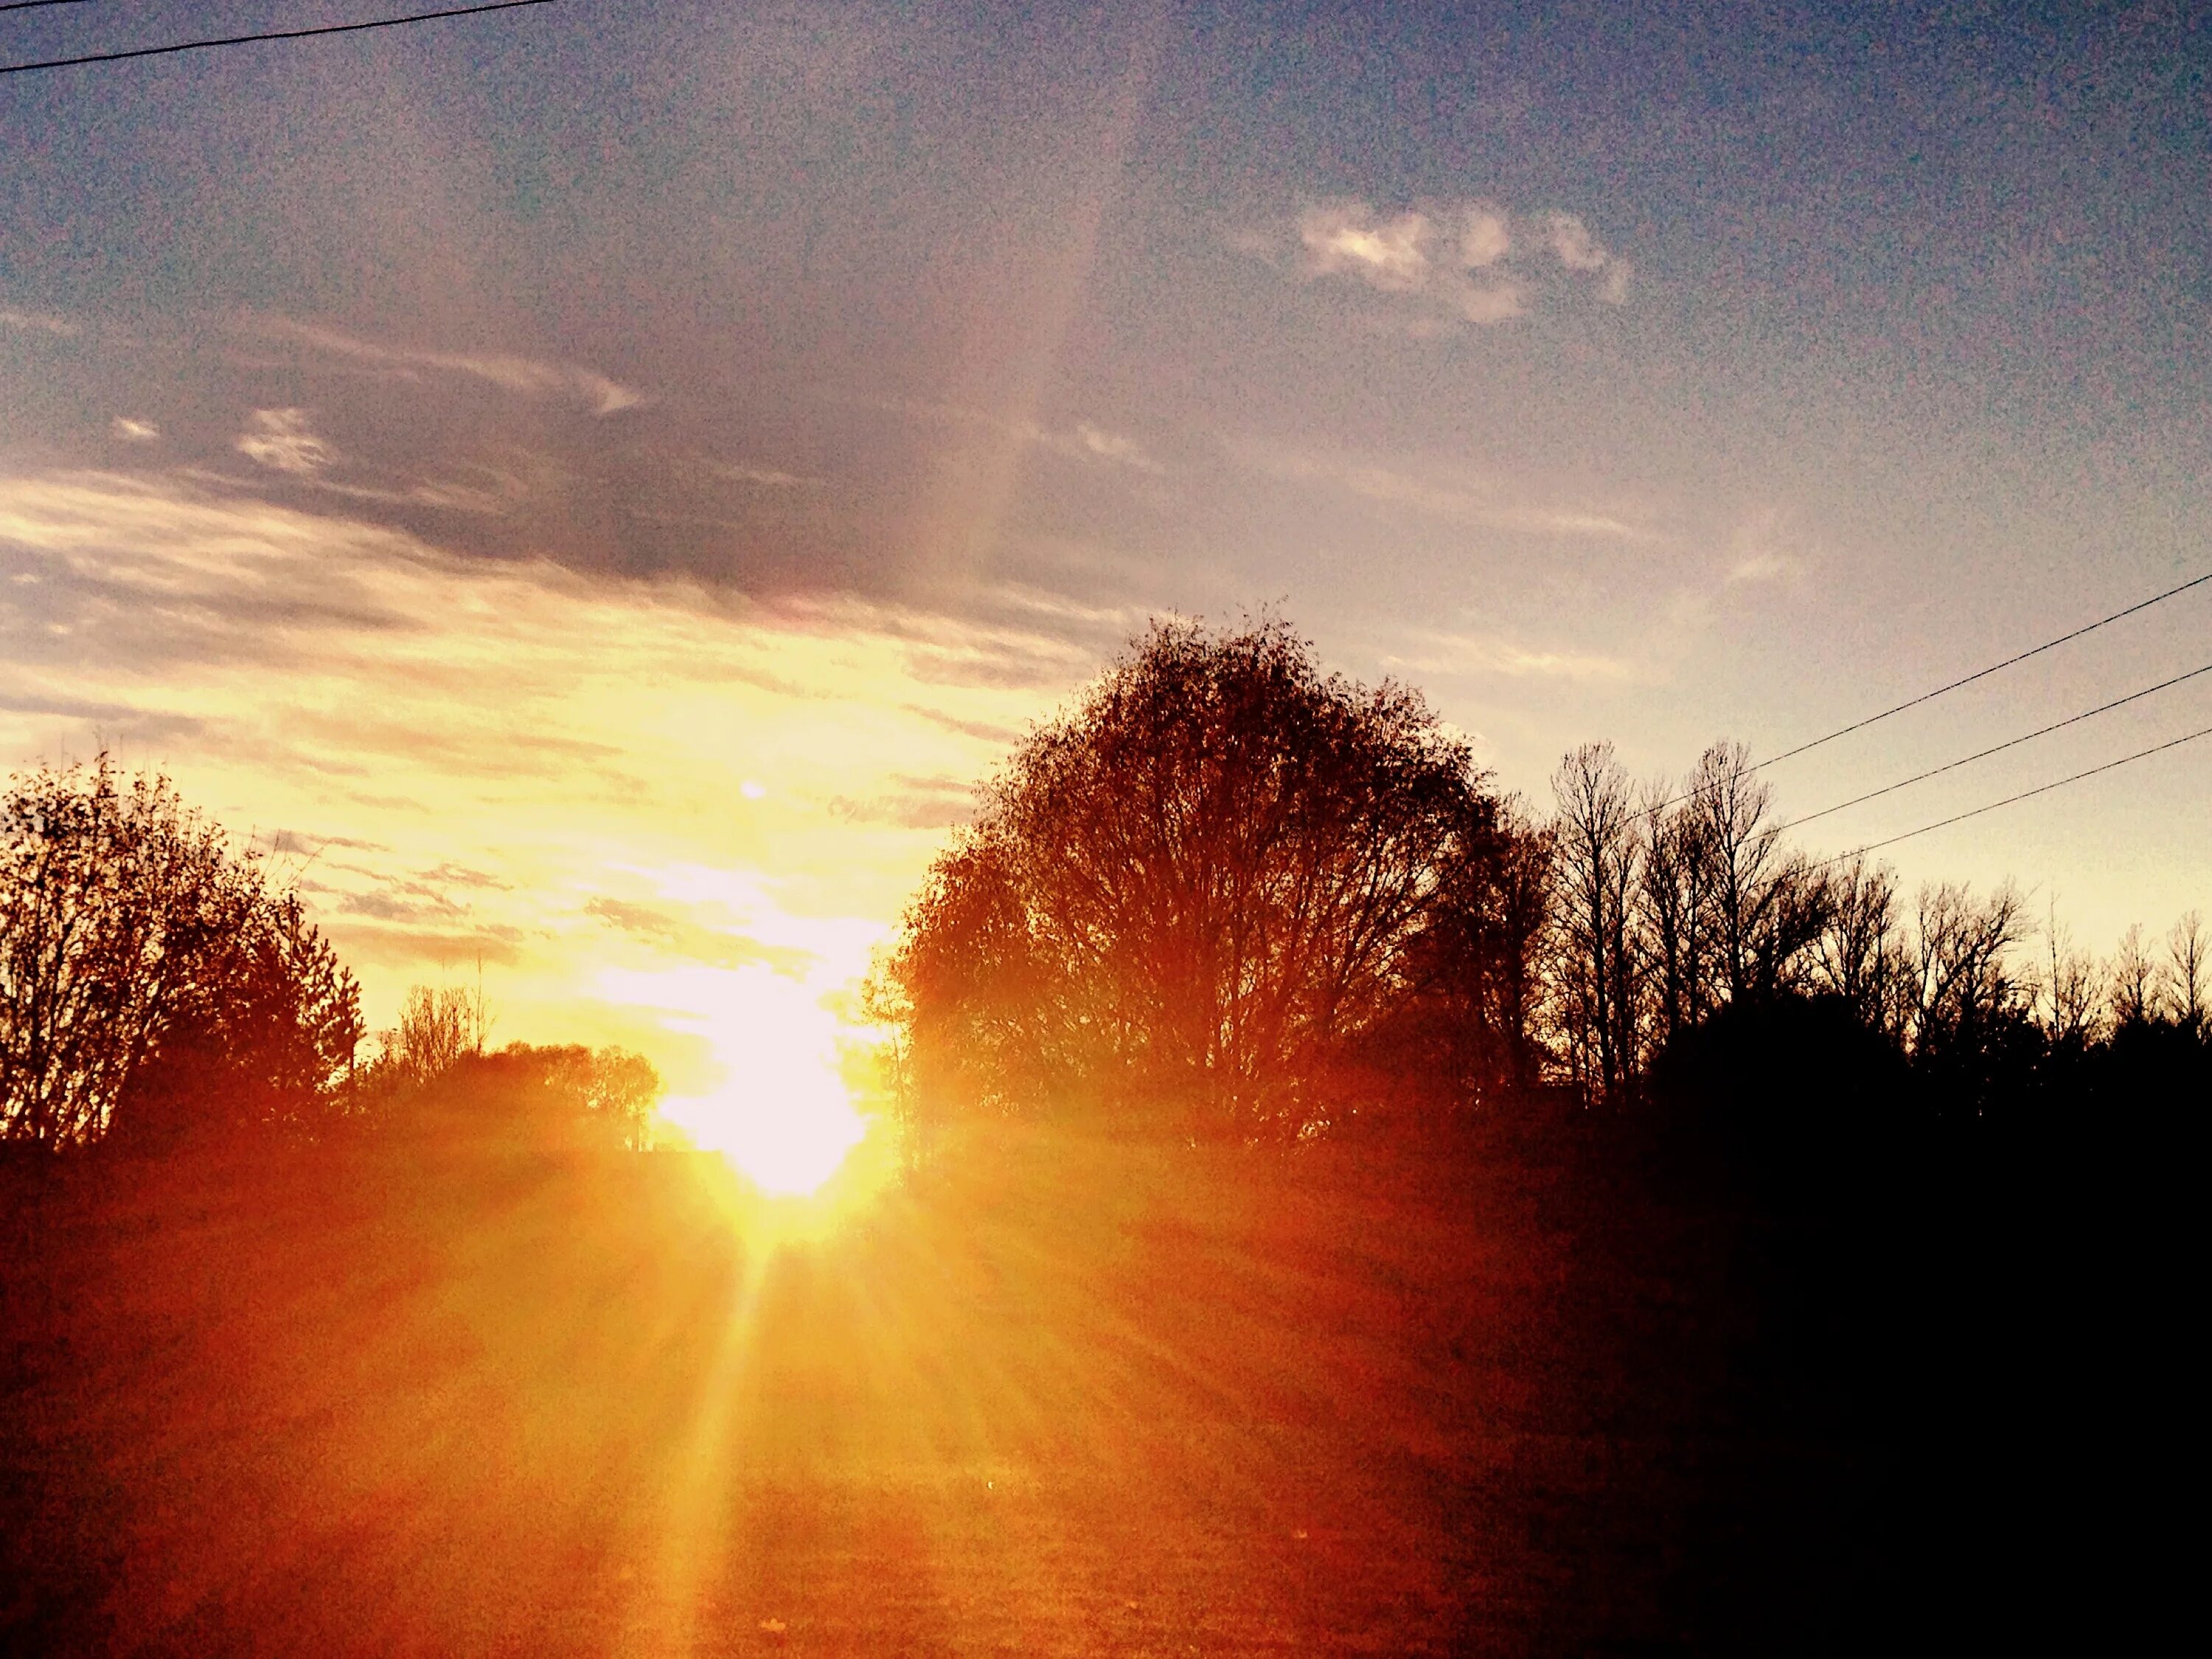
594	486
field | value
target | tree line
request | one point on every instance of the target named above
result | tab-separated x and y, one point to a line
162	989
1237	897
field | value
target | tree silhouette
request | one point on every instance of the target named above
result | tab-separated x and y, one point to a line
150	976
1599	858
1189	902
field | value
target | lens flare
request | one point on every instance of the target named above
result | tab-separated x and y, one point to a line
778	1106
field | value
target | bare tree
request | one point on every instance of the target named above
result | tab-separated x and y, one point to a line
1750	879
1964	984
2188	973
2134	990
1598	854
2070	993
1675	914
1858	954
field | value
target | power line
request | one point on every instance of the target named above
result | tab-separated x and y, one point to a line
33	5
272	34
1999	749
1984	673
2025	794
1942	690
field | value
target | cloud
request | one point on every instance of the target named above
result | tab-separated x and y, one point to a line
1085	441
1767	545
939	803
39	322
1455	502
523	376
280	439
1469	262
1389	254
1570	239
496	742
134	432
1448	655
758	477
1484	237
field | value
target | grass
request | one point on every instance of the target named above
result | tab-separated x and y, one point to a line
1058	1397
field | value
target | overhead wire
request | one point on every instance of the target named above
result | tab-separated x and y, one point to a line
2025	794
1999	749
33	5
1945	690
267	34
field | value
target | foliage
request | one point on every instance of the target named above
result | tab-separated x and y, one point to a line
1194	902
152	980
434	1075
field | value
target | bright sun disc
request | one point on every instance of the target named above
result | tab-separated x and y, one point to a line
781	1110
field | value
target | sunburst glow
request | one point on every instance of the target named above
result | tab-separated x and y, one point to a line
777	1104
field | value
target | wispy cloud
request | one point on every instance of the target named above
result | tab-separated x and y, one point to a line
1448	655
490	739
1084	442
134	432
1464	261
283	440
523	376
39	322
1454	500
756	478
1767	545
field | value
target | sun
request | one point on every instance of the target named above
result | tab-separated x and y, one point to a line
781	1109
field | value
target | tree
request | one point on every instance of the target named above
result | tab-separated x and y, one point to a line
1675	915
1970	1009
2188	972
1858	955
1598	854
2134	989
1766	903
149	971
2070	996
1192	900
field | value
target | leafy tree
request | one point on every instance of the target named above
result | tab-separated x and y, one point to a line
150	976
1198	899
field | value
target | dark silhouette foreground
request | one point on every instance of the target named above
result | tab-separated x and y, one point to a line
1514	1394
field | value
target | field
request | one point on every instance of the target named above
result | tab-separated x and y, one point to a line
1052	1398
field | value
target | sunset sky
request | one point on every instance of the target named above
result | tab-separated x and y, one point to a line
597	484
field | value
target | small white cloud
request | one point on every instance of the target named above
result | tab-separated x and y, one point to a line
39	322
1577	250
1759	567
1485	304
1346	237
1114	447
1431	254
1484	237
280	439
134	432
